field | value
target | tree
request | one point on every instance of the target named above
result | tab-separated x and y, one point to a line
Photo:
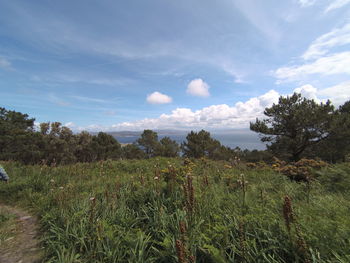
167	148
15	120
59	143
132	151
16	135
106	146
84	150
149	142
294	125
337	145
200	145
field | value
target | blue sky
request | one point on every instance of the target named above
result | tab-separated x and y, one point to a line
131	65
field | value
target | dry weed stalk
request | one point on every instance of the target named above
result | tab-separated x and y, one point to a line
189	195
242	241
243	184
290	218
92	209
288	212
180	249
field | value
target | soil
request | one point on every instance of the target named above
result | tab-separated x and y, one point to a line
24	246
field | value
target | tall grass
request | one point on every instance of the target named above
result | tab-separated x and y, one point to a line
161	210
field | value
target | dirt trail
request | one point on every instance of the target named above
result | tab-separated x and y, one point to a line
24	247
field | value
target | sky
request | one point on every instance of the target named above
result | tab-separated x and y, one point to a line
160	64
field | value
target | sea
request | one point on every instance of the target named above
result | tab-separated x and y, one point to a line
242	139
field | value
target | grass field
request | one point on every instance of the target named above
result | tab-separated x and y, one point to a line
161	210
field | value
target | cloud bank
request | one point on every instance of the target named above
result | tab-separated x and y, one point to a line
223	116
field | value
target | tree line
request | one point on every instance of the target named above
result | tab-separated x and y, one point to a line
294	128
52	143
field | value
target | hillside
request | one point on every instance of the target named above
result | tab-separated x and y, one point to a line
162	210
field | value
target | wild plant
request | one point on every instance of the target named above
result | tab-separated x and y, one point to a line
290	219
243	184
242	241
189	195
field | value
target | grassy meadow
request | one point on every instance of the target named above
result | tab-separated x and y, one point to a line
168	210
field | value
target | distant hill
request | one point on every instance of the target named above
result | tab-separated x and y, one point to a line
243	138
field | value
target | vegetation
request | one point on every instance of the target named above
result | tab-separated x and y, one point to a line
7	225
167	210
215	204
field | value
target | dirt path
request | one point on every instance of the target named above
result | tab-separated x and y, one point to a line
24	247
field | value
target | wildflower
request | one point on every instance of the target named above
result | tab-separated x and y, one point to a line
156	178
52	181
61	187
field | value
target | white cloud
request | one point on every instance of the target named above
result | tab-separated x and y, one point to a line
220	116
338	94
338	63
308	91
336	4
321	57
158	98
5	64
70	125
321	46
305	3
224	116
198	87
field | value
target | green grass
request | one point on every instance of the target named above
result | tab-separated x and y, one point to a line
131	211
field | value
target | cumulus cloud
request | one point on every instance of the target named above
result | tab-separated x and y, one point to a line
336	4
337	94
158	98
198	87
308	91
221	116
321	46
5	64
225	116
